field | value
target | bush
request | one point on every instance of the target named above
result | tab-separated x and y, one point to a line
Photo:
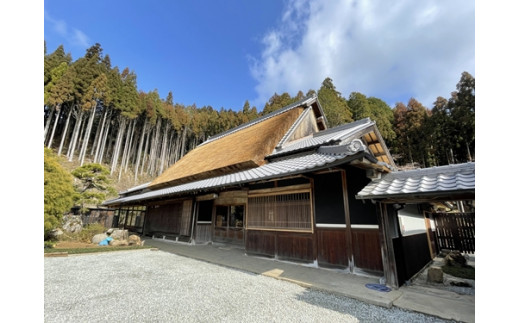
466	272
86	234
58	192
48	244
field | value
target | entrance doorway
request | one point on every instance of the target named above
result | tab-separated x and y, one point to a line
229	224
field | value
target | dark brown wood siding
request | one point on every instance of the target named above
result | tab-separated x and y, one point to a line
332	247
261	242
295	246
292	246
164	219
367	249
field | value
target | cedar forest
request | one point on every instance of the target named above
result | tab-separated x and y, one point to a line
94	113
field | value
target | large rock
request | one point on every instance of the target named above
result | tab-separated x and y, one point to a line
72	223
119	234
134	240
455	258
99	237
55	233
435	275
117	243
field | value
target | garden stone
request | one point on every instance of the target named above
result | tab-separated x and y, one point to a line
117	243
55	233
72	223
119	234
134	240
455	258
98	238
435	275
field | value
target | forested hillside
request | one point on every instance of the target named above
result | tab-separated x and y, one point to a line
94	113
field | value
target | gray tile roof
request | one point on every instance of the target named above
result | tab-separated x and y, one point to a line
285	167
136	188
329	136
439	180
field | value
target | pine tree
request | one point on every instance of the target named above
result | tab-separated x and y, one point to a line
93	185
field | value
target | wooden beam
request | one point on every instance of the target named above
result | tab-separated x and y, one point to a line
387	247
278	190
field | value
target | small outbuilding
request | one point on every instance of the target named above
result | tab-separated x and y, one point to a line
413	230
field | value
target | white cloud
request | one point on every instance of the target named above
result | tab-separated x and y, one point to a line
75	37
79	38
392	50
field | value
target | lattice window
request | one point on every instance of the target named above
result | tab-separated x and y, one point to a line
290	211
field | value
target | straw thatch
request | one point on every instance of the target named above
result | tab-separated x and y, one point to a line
240	150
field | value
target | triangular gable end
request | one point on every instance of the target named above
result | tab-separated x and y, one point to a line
382	159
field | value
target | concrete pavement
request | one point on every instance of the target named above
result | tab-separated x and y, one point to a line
444	304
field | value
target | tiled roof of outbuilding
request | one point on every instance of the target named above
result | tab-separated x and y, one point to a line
440	180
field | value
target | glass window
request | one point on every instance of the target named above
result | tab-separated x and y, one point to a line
221	217
236	216
231	216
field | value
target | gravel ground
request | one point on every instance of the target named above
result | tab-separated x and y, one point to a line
156	286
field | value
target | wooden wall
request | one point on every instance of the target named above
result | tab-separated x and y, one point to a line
164	219
332	247
292	246
412	253
366	247
203	232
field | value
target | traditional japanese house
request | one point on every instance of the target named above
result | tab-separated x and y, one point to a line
281	186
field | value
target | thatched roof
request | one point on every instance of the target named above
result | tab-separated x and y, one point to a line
243	148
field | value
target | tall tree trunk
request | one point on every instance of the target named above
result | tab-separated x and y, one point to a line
101	131
86	138
170	149
139	150
125	151
145	151
75	135
104	142
131	151
469	152
164	145
58	111
128	149
183	143
47	124
177	147
117	147
64	134
153	149
97	137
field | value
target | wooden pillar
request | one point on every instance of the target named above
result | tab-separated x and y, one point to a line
387	247
349	246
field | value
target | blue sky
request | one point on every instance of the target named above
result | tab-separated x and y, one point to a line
224	52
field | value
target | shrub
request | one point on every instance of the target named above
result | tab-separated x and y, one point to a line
90	231
86	234
59	193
